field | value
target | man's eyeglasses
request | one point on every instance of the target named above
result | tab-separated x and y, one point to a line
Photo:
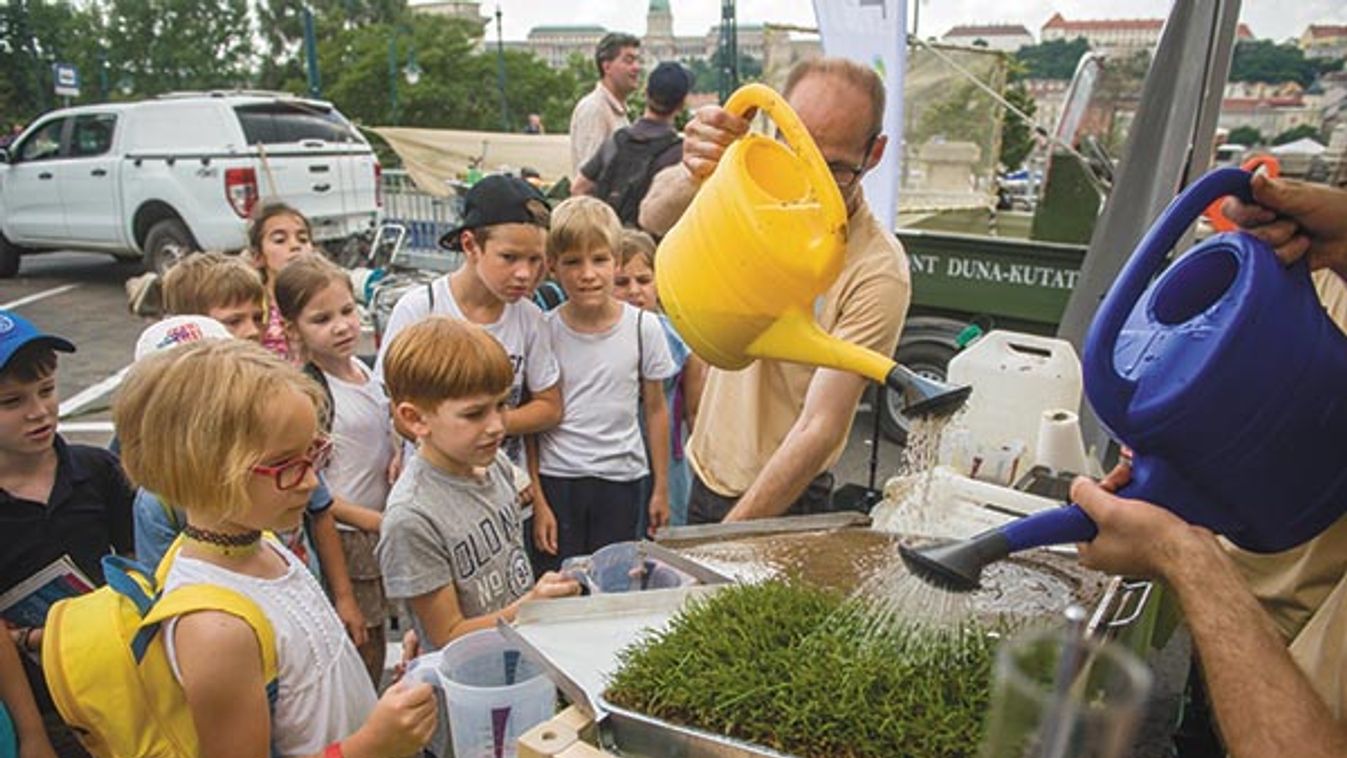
290	474
847	175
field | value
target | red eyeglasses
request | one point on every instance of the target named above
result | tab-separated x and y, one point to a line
290	474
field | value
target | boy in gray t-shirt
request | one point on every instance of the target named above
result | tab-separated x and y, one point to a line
451	543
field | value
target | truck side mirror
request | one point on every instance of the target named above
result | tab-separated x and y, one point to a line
4	155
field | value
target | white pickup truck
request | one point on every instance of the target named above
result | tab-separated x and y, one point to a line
159	178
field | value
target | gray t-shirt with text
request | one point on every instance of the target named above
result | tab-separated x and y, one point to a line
441	529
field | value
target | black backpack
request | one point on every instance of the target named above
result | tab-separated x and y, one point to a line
625	178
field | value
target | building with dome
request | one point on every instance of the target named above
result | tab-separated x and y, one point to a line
555	44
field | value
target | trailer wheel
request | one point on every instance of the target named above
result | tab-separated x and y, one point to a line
167	242
925	357
9	258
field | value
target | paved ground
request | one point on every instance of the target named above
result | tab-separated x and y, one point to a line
81	296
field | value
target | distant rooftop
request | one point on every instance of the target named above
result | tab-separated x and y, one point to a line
573	29
1134	24
988	30
1327	30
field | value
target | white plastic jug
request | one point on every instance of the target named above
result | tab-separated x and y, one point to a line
1015	377
492	692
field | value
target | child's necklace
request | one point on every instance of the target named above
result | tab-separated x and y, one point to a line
239	545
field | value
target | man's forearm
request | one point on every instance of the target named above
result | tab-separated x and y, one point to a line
1264	704
789	471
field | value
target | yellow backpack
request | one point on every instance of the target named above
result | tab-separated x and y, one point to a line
107	666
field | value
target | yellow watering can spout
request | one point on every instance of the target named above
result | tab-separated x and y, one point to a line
764	237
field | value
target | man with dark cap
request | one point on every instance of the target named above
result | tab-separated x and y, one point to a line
604	110
620	172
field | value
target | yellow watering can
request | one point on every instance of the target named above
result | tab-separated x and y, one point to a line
764	237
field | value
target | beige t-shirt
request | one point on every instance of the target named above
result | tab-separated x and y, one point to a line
1304	589
745	415
595	116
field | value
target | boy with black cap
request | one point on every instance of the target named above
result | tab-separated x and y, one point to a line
56	499
619	173
502	239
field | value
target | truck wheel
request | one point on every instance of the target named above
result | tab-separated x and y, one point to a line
927	358
168	242
9	258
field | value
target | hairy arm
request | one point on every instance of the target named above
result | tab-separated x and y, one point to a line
828	406
1264	704
671	192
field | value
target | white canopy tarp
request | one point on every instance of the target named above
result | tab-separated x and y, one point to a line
1302	146
434	157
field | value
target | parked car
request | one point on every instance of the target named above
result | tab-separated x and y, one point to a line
158	178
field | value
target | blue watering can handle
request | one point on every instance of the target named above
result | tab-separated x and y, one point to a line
1056	526
1106	386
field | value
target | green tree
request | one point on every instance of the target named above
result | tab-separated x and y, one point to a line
1054	59
33	36
1295	133
167	45
1266	61
1246	135
280	24
1017	137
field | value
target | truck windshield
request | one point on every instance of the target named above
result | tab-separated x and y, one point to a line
276	123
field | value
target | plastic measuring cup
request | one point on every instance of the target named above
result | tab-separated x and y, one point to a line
493	694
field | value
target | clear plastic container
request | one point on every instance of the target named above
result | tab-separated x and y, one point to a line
1015	378
494	694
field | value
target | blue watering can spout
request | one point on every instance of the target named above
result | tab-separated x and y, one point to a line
1223	375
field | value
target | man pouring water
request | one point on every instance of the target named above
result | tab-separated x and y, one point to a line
766	435
1242	609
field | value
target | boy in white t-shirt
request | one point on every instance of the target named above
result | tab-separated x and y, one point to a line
502	236
592	466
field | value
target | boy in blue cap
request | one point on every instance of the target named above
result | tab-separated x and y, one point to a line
56	499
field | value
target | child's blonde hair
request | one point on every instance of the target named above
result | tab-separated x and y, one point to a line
637	243
196	449
302	279
202	282
441	358
583	223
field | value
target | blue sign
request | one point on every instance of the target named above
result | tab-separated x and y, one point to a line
67	79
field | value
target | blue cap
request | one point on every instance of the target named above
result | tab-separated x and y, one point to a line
17	331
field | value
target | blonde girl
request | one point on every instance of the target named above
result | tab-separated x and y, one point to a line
317	302
634	283
241	459
277	235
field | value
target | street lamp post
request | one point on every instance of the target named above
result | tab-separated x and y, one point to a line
500	74
411	72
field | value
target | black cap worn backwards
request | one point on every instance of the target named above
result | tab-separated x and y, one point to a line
498	199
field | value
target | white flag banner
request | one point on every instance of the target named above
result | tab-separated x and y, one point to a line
874	33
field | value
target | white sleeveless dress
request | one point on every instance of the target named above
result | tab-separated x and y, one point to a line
324	693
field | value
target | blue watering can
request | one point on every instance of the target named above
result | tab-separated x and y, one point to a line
1226	378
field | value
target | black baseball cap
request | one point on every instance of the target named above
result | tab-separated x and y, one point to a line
668	85
499	199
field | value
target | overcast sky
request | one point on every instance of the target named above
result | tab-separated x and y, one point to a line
1277	19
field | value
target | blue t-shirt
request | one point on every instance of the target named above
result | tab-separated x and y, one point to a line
157	526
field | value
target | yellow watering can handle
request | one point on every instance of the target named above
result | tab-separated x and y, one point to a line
766	99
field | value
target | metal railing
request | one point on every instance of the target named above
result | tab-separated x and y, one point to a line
426	218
